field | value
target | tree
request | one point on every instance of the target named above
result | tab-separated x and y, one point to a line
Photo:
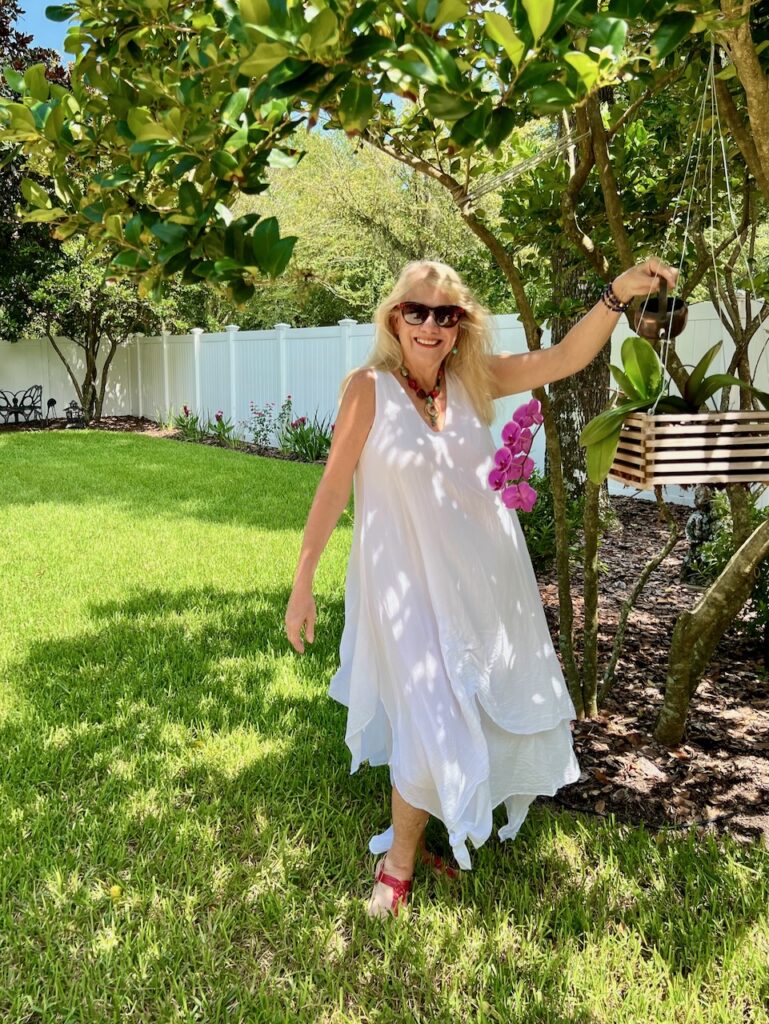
97	314
28	249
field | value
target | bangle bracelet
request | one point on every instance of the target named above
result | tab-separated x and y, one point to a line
611	301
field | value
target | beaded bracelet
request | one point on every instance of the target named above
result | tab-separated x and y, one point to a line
611	301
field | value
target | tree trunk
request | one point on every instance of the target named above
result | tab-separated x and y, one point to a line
590	629
697	633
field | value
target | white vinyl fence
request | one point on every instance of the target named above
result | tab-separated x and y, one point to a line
155	377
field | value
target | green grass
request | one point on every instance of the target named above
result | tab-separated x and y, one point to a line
180	837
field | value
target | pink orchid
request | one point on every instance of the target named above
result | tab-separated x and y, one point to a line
524	441
502	458
497	479
510	433
529	413
528	496
511	496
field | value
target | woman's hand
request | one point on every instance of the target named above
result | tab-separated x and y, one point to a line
643	279
300	612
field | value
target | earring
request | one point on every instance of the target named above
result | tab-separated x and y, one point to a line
454	350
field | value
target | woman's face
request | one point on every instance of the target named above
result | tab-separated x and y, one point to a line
426	345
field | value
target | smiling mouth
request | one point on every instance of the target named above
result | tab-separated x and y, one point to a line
427	344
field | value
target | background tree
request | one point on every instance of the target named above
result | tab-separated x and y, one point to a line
29	249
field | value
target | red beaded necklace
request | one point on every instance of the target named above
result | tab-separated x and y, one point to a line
429	396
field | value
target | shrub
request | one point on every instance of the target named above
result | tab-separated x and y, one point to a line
308	440
188	425
221	429
265	427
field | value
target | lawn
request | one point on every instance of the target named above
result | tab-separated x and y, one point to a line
180	837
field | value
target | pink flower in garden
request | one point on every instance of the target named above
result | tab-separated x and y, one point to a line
502	458
510	433
219	416
497	479
186	410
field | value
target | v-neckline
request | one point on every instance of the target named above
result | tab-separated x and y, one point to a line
406	395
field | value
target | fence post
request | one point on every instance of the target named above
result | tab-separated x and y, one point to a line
196	333
345	324
166	399
232	330
139	376
281	329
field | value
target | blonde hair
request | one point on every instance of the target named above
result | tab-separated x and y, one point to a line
470	365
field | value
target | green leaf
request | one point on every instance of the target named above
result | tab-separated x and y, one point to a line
502	123
264	58
235	106
642	367
550	98
223	163
697	375
607	421
60	13
502	32
324	29
586	68
169	232
14	79
672	404
600	456
255	12
674	29
714	383
356	106
38	85
624	382
132	260
539	13
280	254
447	107
449	12
35	195
607	32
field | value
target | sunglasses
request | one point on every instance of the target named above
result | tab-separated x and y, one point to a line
415	313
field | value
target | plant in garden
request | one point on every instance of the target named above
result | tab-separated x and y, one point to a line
267	428
513	466
188	424
309	440
641	383
220	428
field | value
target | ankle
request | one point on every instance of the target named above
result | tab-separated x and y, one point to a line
399	866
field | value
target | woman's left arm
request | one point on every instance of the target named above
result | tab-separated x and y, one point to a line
516	373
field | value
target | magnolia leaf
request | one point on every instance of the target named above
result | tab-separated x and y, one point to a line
60	13
235	106
586	68
35	195
14	79
502	32
673	30
37	84
356	106
449	12
324	29
447	107
264	58
539	13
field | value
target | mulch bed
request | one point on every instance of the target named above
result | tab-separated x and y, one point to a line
717	780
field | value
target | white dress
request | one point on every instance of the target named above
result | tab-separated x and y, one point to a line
446	662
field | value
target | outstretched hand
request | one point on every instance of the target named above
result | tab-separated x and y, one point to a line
644	279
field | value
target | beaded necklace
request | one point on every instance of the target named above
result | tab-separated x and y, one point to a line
429	396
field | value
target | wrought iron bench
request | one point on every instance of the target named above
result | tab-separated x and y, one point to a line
23	406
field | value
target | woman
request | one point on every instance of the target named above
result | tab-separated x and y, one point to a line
446	665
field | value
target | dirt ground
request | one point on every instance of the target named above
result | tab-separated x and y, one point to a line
717	779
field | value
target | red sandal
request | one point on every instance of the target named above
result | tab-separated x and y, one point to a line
438	865
400	887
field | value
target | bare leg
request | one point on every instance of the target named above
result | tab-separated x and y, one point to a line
408	828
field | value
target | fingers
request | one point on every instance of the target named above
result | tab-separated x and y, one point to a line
658	268
294	625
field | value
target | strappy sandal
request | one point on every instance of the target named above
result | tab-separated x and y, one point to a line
437	864
400	887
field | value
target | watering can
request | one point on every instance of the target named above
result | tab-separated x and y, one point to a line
660	317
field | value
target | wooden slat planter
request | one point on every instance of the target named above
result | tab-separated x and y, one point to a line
693	448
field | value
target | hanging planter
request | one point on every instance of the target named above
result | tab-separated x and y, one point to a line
692	448
675	443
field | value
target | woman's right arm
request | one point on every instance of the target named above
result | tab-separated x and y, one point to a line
353	423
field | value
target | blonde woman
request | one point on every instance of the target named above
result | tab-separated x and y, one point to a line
446	664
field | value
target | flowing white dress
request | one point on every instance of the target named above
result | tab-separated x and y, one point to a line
446	662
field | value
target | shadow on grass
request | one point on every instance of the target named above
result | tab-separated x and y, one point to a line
179	746
153	477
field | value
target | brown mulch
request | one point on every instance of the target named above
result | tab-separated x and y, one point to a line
717	779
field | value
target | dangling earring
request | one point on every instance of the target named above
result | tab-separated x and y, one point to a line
454	350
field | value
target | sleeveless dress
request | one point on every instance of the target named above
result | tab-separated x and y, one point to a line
446	663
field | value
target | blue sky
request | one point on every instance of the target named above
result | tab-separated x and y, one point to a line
45	32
